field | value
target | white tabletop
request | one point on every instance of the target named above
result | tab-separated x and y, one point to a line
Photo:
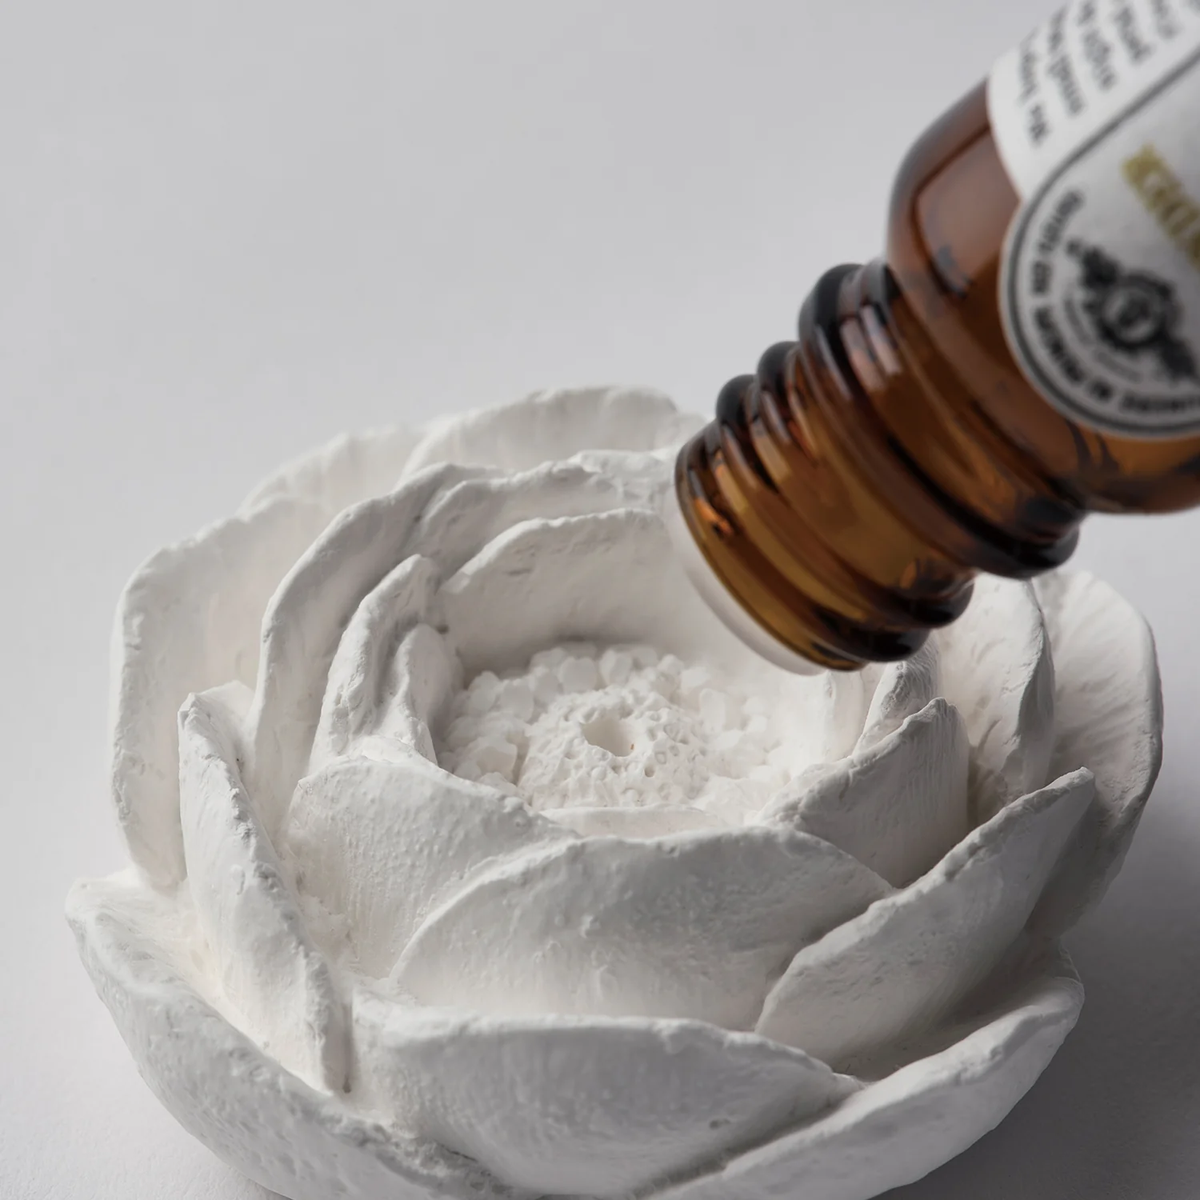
229	230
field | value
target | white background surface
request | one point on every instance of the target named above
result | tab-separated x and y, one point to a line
229	230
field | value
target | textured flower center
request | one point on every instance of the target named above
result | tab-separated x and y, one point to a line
619	728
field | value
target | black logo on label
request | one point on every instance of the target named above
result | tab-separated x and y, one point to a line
1133	313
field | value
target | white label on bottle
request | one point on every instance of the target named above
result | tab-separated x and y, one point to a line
1096	117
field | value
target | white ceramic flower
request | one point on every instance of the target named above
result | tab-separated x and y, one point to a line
432	899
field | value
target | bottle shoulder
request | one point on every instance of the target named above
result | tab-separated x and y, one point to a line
951	209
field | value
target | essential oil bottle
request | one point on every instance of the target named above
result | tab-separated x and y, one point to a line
1027	351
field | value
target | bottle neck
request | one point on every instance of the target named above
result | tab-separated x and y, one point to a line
845	495
722	601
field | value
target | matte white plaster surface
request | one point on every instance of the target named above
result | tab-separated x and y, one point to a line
271	221
372	940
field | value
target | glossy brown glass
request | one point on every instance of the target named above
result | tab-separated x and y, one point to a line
849	491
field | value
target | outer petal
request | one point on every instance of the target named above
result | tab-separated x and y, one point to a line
696	926
997	671
345	471
267	965
588	1105
189	620
892	972
904	1126
898	806
224	1090
548	426
386	843
1108	707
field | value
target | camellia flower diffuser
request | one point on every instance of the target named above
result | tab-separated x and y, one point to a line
473	857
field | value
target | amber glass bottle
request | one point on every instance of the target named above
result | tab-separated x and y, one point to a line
848	491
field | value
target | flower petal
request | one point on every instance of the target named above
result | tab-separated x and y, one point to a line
695	925
384	844
903	689
624	586
266	963
417	691
344	471
604	1106
355	686
189	620
552	425
303	626
225	1091
908	959
901	1128
830	711
465	517
1108	714
997	670
657	821
898	805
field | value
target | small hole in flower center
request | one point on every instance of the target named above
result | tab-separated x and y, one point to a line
609	734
